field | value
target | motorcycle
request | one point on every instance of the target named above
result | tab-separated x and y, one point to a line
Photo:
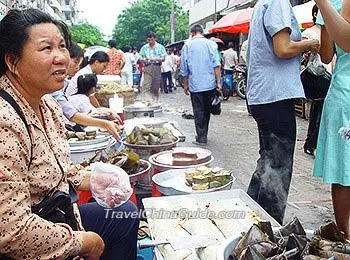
235	82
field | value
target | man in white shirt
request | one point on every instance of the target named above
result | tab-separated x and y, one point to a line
229	59
126	73
167	68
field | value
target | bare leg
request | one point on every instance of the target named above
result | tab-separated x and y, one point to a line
341	206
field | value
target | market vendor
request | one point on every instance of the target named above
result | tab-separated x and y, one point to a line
34	153
72	116
97	64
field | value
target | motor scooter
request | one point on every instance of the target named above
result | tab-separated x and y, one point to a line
235	82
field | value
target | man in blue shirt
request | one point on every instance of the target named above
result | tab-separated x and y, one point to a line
152	55
201	70
274	48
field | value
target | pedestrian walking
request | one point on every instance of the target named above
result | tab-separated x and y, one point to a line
274	48
200	67
116	59
126	73
152	55
167	68
332	154
229	60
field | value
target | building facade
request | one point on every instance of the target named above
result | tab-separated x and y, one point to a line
208	12
65	10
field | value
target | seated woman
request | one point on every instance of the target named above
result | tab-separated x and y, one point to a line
81	101
34	153
86	87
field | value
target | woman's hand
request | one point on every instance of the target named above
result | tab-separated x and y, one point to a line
109	189
93	246
314	46
113	127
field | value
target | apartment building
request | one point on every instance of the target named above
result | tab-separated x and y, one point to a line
65	10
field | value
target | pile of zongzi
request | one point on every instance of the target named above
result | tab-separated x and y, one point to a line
150	136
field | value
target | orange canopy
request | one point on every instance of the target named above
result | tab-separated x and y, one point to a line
235	22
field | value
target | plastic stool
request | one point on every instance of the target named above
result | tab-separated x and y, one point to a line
84	197
146	253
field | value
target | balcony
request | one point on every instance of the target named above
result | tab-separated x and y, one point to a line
55	5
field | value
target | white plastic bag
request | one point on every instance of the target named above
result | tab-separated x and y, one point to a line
110	185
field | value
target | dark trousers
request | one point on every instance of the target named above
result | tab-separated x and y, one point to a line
201	112
167	81
269	185
118	233
314	124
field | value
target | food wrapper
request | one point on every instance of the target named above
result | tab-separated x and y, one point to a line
110	185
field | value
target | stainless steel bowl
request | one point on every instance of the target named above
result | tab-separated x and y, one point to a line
140	175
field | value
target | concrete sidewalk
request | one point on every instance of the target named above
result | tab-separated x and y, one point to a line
234	142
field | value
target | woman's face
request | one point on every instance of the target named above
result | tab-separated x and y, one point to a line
74	66
99	67
43	64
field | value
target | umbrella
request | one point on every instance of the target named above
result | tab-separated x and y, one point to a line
235	22
91	50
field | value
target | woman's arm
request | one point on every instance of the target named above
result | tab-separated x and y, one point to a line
285	48
327	46
85	184
337	26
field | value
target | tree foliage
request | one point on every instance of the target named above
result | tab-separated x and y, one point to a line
87	34
145	16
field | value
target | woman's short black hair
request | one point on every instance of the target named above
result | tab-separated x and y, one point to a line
112	43
86	83
127	48
75	51
101	56
14	29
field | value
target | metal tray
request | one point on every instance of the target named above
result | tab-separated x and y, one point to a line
100	138
173	182
227	198
151	147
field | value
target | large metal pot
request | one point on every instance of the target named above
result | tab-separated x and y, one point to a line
133	111
88	149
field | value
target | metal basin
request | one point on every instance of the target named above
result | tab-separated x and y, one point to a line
230	244
80	152
145	151
140	175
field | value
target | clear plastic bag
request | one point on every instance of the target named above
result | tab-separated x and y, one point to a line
315	65
110	185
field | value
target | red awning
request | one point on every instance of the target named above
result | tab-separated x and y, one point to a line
235	22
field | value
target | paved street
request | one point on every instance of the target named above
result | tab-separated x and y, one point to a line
233	140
